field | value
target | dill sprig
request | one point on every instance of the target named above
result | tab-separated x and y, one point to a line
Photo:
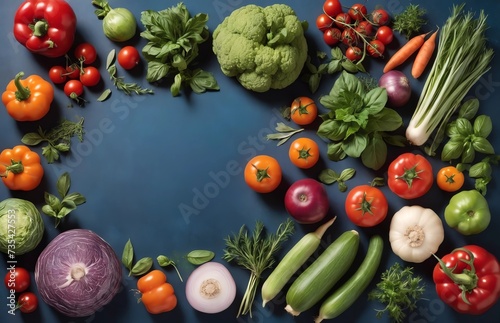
255	253
410	21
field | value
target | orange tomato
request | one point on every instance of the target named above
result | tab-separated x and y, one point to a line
450	179
304	153
303	111
157	295
263	174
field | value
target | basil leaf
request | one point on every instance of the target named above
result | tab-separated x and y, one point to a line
128	255
349	66
77	198
336	53
47	209
469	109
464	126
31	139
104	95
334	130
355	145
335	151
375	100
347	174
328	176
333	67
202	81
483	126
468	153
375	153
68	204
481	169
452	150
142	266
198	257
313	82
164	261
63	184
482	145
175	88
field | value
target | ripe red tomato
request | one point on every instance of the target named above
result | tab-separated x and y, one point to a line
410	176
332	36
90	76
323	22
128	57
380	17
303	111
376	48
365	28
384	34
366	206
263	174
357	12
73	71
73	89
17	279
304	153
342	20
85	53
332	7
349	37
57	74
354	53
28	302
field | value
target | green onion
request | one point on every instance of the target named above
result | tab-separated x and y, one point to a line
462	58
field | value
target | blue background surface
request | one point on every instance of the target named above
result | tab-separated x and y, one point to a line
144	158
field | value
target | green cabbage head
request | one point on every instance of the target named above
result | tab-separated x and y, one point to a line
21	226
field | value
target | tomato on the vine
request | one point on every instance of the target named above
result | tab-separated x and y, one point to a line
380	17
332	36
90	76
375	48
366	206
450	179
263	173
85	53
349	37
354	53
410	176
17	279
73	71
332	7
73	89
128	57
27	302
357	11
384	34
304	153
323	21
365	28
57	74
342	20
303	111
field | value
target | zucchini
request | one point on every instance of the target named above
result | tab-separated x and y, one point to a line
342	298
292	261
315	282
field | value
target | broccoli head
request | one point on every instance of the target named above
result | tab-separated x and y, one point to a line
263	47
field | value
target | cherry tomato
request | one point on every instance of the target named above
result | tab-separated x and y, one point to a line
365	28
85	53
17	279
323	22
90	76
304	153
380	17
73	89
349	37
384	34
28	302
357	12
57	74
263	173
303	111
73	71
342	20
376	48
332	7
366	206
332	36
128	57
450	179
354	53
410	176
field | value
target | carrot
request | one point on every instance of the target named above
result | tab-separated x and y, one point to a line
405	52
424	56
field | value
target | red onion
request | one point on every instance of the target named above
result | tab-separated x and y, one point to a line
398	88
78	273
210	288
306	201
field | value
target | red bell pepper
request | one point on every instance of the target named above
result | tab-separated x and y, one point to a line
45	27
468	279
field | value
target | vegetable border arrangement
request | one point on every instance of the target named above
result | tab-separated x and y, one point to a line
384	105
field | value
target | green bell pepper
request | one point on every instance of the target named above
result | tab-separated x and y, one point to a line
468	212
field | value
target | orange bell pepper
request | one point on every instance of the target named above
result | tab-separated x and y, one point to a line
157	295
28	99
20	168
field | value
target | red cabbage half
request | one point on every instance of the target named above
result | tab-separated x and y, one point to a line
78	273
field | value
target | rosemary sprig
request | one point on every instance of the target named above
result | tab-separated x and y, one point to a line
255	253
119	81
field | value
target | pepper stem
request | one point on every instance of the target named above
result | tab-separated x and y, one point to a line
15	167
40	28
23	92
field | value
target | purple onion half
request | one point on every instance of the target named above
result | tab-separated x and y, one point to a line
78	273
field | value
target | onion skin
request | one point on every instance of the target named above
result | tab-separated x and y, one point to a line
119	25
398	88
306	201
85	254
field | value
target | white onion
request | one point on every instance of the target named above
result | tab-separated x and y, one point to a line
78	273
210	288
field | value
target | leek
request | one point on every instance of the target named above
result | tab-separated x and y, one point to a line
462	58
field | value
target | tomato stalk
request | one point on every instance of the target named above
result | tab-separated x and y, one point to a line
261	173
409	175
